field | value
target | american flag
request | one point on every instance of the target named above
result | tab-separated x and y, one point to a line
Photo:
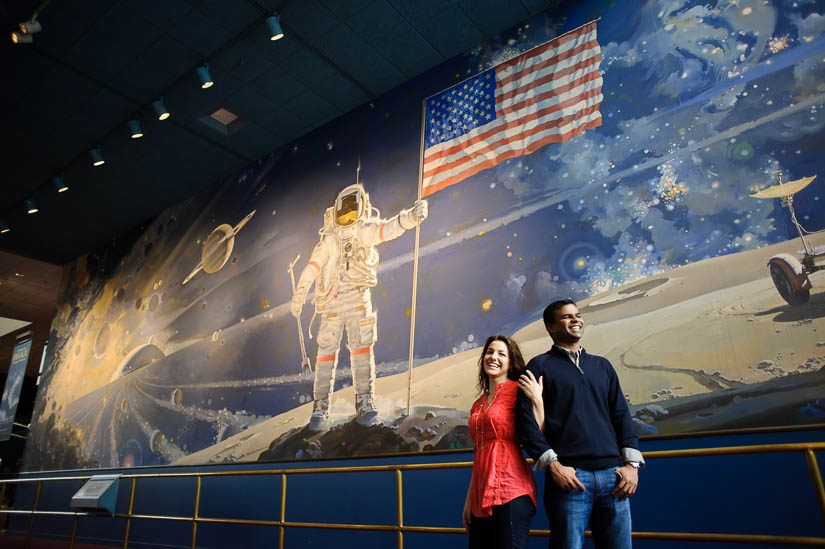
549	94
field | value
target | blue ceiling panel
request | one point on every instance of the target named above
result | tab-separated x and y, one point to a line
243	61
61	158
280	50
215	165
187	101
43	109
283	122
446	27
232	16
81	136
15	170
250	104
124	151
538	6
65	22
311	109
225	82
308	18
199	33
164	14
182	141
83	132
24	67
356	57
255	140
104	111
153	71
308	69
294	58
395	39
183	106
104	51
341	92
272	5
278	86
489	15
347	8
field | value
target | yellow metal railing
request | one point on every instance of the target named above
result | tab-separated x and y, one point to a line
400	528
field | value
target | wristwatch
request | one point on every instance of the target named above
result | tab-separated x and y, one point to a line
634	464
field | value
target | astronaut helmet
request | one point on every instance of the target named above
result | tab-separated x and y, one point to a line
352	205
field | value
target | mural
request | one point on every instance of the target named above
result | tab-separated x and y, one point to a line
675	218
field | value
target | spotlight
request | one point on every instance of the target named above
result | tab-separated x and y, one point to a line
96	156
30	206
20	38
274	24
163	114
134	128
59	184
3	227
203	74
30	27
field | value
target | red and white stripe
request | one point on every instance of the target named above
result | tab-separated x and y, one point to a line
549	94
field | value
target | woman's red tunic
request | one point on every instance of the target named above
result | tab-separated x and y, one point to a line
500	472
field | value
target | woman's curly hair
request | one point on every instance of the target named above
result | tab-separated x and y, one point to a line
515	369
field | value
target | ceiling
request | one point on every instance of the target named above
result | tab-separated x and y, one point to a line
28	292
98	63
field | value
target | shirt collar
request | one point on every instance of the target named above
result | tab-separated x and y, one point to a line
566	352
574	356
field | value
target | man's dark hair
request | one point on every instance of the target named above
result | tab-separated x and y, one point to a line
549	315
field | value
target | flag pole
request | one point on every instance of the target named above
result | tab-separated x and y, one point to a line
415	260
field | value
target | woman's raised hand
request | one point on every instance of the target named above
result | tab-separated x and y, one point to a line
531	387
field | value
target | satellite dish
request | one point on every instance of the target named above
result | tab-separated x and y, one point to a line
784	189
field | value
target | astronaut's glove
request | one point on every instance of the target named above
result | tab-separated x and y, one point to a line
421	210
297	304
417	213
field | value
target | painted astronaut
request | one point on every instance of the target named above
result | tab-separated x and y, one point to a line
343	266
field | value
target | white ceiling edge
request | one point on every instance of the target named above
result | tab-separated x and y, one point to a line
8	325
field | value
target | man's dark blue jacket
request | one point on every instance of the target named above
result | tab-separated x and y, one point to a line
587	420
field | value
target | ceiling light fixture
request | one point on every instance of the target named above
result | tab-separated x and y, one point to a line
27	28
30	206
20	38
3	227
59	184
96	156
160	109
203	74
134	128
30	27
274	24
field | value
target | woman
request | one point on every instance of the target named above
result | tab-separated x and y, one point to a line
501	498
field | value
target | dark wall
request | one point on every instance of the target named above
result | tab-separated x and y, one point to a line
11	451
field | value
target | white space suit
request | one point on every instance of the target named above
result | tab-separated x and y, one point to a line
343	267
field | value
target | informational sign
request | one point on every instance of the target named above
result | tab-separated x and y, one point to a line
14	383
98	494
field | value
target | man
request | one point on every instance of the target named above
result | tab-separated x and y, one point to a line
589	448
344	266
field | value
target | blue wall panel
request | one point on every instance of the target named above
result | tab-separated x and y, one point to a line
767	494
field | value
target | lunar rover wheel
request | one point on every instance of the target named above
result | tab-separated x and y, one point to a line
785	288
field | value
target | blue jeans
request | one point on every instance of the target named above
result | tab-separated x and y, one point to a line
569	512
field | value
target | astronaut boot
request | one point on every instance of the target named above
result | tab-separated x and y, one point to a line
365	411
319	420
